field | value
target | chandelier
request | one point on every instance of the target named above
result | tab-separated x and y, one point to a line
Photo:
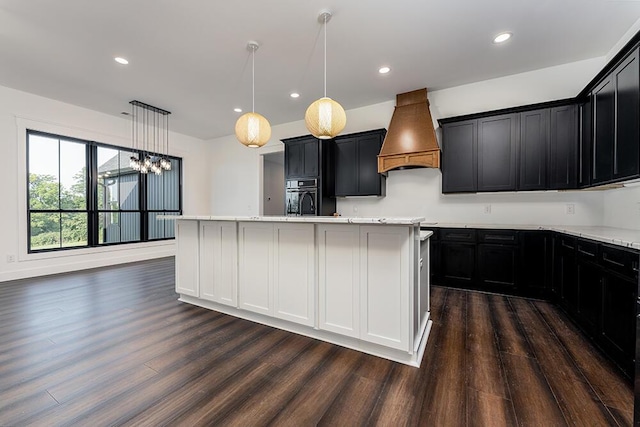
149	138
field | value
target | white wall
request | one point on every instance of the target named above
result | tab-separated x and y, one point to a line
21	110
417	192
622	207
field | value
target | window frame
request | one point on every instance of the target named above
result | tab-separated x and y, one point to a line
91	208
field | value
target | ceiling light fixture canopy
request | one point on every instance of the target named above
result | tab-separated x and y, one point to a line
325	118
253	129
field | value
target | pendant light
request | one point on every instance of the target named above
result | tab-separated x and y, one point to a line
252	129
325	118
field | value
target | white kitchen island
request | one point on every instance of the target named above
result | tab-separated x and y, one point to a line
362	283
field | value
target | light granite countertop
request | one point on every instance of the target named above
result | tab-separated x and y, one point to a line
304	219
616	236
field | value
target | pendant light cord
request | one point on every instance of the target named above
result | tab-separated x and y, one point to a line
253	79
325	56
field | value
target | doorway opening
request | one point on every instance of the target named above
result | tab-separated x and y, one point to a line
273	186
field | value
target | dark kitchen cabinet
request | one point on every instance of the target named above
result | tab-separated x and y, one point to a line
590	286
459	157
497	145
563	147
302	157
535	263
497	267
567	273
626	144
616	121
584	144
534	149
619	296
458	257
356	164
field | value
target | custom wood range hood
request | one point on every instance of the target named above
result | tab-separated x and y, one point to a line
411	140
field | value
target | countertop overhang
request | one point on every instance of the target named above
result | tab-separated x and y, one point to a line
304	219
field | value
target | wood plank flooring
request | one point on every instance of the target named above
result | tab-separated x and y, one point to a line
113	346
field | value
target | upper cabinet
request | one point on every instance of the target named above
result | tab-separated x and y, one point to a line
459	157
497	145
563	154
616	120
532	149
302	157
356	164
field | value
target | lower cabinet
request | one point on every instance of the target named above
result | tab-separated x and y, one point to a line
218	261
187	282
277	265
361	272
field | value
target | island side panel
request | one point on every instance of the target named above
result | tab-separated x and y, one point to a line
339	278
187	280
385	282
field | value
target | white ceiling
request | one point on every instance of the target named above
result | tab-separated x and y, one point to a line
190	56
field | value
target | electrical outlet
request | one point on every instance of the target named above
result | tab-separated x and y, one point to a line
11	258
570	209
487	209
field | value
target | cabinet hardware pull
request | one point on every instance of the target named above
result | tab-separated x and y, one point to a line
610	261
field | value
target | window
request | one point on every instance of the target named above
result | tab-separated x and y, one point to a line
84	194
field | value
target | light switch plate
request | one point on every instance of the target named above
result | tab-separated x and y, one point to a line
570	209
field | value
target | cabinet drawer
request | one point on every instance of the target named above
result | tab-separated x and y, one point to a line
587	250
567	242
458	235
500	237
621	261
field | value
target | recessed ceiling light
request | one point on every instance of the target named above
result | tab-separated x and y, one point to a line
294	95
384	70
238	110
502	37
121	60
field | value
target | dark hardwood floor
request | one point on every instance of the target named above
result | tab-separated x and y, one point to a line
113	346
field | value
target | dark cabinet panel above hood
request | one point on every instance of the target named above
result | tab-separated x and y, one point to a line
411	139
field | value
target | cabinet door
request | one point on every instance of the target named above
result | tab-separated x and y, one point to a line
187	281
603	131
534	148
584	144
385	271
339	278
311	158
534	264
293	159
255	259
589	296
563	159
346	159
457	264
497	267
294	273
626	146
618	318
497	145
459	157
369	180
218	262
568	278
